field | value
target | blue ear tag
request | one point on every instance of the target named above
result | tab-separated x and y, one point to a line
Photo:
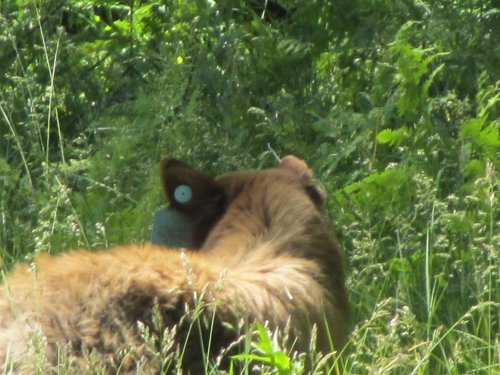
183	194
171	228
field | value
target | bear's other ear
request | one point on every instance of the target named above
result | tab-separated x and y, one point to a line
186	188
300	169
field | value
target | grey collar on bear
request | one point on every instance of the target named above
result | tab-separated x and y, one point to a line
171	228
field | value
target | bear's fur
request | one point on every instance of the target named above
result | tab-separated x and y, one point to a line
265	253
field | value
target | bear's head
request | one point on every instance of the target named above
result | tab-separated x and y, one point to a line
202	200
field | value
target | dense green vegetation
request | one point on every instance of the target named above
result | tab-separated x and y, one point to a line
394	104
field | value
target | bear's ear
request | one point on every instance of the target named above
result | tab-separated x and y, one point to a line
186	188
194	194
300	169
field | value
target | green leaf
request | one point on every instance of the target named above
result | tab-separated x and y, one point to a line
281	361
265	344
474	168
268	352
485	137
4	166
393	137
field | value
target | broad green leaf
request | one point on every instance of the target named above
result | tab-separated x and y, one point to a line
393	137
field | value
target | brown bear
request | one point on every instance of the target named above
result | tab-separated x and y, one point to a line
264	253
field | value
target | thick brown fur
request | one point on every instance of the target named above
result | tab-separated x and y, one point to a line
265	254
